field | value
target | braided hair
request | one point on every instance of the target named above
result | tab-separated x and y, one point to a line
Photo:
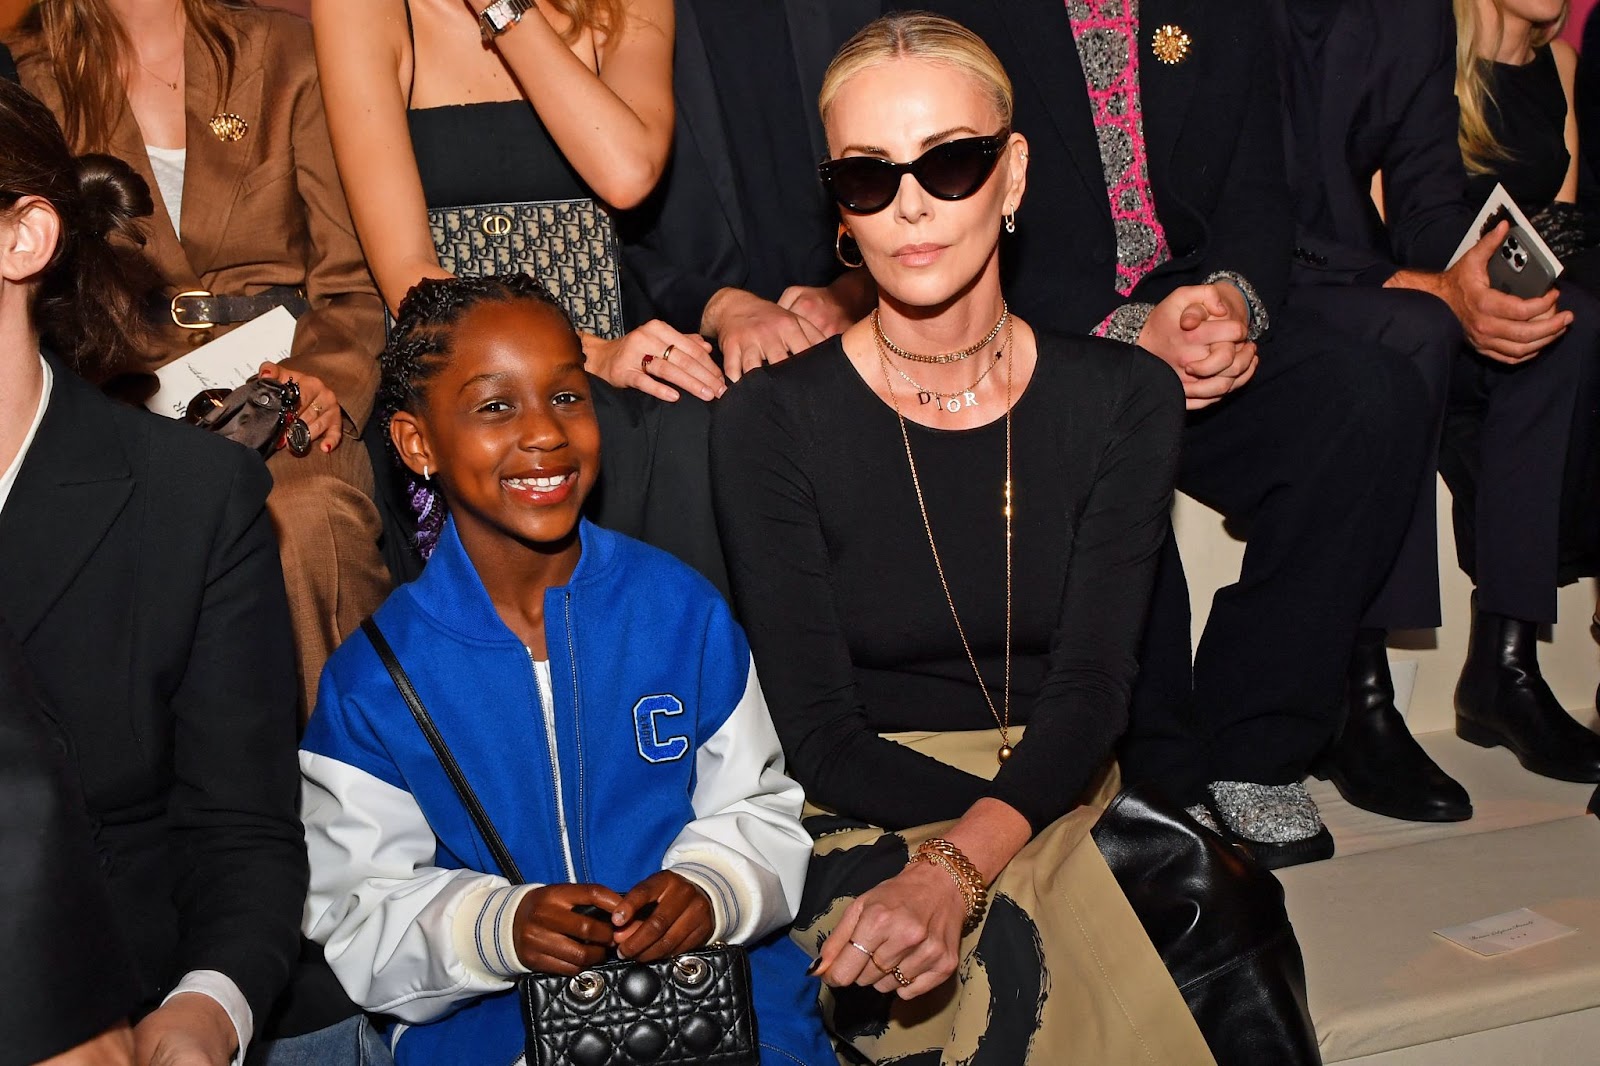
419	347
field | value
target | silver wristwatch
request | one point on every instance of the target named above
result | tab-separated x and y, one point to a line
501	15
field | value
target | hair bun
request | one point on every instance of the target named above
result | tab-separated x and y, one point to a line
111	194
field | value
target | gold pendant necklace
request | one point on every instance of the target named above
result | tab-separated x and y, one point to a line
1003	720
950	402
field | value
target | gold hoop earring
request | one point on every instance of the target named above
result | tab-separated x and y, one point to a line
838	250
1011	222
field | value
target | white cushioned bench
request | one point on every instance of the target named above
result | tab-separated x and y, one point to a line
1384	990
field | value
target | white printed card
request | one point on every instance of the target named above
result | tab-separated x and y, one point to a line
1505	932
225	363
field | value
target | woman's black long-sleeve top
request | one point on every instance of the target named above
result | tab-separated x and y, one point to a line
836	585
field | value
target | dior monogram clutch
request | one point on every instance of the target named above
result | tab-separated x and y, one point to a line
569	245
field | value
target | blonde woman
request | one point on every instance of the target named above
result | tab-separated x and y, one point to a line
942	528
1514	82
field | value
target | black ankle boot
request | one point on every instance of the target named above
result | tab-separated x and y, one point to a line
1376	764
1503	699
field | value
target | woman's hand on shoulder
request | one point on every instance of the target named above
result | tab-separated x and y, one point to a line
187	1030
753	332
911	922
680	920
654	358
553	936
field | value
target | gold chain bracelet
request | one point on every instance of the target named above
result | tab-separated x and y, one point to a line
951	859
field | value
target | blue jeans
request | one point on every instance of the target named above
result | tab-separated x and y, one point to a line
352	1042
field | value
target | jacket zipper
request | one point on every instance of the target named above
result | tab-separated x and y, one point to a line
548	713
577	713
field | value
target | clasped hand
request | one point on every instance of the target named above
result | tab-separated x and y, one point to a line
911	922
553	936
1202	332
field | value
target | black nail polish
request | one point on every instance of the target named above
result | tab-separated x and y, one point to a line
816	964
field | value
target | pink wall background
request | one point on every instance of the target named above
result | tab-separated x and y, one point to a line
1574	27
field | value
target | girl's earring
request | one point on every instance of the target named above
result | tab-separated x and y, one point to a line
425	473
1011	222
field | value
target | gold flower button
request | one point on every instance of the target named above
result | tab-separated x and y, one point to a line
1170	44
229	127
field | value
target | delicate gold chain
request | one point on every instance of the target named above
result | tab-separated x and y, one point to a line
945	357
173	85
942	396
1002	720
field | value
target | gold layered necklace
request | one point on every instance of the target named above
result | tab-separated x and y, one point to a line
942	357
1002	718
948	402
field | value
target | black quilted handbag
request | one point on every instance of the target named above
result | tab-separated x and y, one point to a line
691	1008
569	245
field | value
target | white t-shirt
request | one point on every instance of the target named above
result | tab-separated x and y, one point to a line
9	477
168	165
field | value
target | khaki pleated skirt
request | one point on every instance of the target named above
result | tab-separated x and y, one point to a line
1060	971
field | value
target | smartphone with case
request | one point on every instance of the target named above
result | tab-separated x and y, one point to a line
1518	267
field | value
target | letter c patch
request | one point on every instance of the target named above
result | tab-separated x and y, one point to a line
653	747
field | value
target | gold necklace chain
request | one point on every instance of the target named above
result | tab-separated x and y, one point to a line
950	402
173	85
1001	720
944	357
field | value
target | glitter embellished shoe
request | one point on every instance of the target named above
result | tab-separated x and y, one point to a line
1277	825
1202	814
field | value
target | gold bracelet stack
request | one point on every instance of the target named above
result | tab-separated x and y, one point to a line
969	881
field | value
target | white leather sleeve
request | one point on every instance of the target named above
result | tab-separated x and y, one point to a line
403	936
745	848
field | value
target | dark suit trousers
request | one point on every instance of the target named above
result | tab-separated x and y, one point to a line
1417	327
1504	453
1316	461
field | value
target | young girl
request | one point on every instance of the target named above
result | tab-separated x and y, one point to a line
597	694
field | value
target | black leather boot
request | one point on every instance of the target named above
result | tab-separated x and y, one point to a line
1376	764
1502	699
1218	922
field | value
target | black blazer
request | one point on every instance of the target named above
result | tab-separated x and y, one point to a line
1388	103
688	240
1213	132
142	579
67	975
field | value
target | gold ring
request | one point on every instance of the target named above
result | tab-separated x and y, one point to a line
867	952
317	407
668	353
898	976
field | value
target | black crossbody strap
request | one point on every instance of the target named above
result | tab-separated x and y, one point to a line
452	769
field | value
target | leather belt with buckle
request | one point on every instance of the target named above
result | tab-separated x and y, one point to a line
200	309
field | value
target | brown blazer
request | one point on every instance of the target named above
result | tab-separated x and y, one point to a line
264	210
